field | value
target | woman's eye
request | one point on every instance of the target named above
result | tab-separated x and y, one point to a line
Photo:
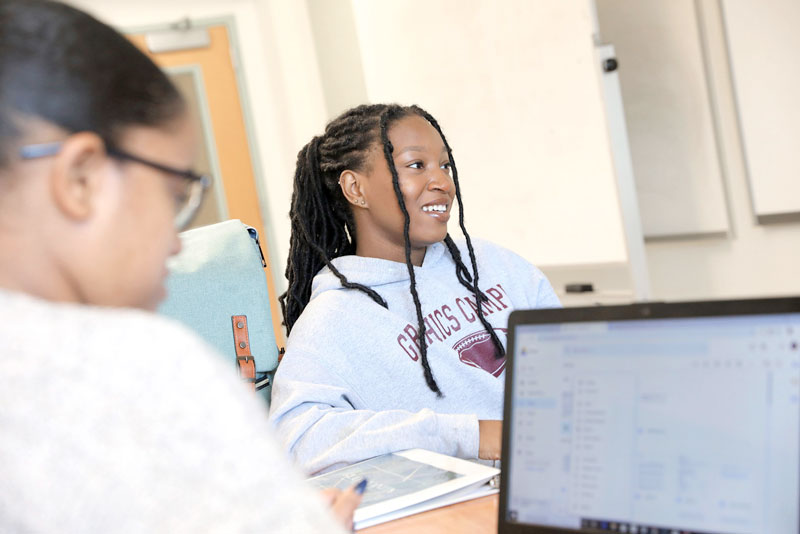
415	165
178	187
446	166
181	199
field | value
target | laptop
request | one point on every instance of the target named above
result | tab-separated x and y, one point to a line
653	419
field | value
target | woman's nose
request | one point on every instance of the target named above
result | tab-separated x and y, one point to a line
441	181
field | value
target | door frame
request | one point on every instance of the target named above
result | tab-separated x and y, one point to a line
208	136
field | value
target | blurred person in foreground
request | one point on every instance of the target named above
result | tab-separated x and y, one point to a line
113	419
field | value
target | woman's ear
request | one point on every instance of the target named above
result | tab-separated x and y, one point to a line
350	182
78	175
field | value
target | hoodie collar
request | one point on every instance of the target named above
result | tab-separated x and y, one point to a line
372	272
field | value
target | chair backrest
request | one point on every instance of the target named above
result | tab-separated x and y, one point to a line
218	276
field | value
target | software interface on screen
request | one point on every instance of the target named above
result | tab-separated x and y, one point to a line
689	425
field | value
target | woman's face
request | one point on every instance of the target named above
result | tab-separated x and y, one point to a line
139	225
423	170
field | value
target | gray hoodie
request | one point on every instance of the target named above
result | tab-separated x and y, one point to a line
351	385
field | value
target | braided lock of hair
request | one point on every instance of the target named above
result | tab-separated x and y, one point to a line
322	226
480	297
388	149
322	221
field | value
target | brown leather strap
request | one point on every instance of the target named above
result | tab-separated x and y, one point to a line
247	365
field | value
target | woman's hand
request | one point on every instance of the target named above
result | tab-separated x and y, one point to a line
344	503
491	439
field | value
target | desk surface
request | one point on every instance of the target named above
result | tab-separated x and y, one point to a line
478	516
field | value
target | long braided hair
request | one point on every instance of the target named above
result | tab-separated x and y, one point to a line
323	227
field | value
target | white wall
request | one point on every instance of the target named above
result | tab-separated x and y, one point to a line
515	86
668	114
338	54
754	260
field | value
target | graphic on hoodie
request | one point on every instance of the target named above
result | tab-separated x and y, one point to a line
477	350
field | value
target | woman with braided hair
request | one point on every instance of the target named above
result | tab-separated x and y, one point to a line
396	330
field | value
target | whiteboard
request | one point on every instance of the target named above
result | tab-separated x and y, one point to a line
668	114
764	44
515	86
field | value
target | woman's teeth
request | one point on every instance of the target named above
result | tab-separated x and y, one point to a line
440	208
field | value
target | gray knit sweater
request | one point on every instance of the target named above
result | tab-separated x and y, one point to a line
121	421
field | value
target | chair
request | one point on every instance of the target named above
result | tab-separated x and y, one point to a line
217	286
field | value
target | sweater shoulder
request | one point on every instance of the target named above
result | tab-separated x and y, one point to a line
489	252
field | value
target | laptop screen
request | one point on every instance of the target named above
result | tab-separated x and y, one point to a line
658	425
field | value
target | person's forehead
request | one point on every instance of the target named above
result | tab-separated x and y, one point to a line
414	133
178	140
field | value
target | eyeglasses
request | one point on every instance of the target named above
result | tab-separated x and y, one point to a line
197	184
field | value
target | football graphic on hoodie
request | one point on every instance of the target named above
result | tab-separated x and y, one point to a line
477	350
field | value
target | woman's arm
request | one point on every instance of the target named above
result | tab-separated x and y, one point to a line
316	419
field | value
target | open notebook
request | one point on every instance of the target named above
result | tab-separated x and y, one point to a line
409	482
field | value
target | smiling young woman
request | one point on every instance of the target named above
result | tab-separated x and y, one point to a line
378	289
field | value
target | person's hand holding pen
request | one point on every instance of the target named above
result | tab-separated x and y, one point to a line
344	503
